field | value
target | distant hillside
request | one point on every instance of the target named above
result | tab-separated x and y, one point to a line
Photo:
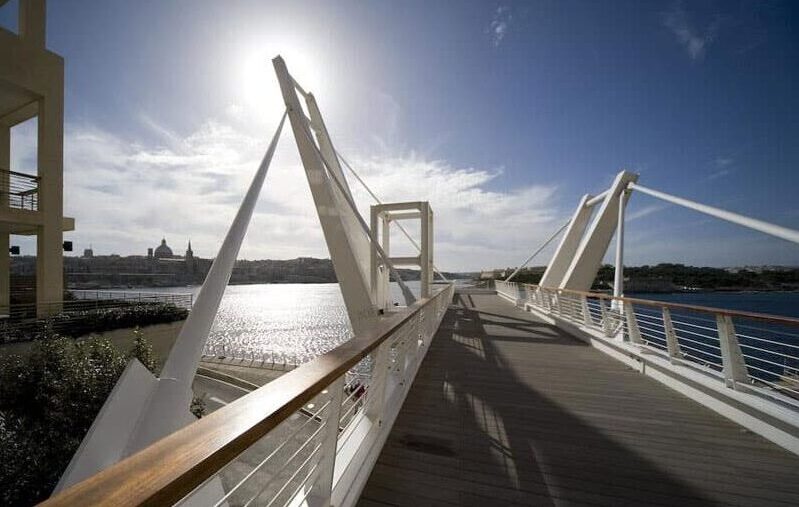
678	277
114	271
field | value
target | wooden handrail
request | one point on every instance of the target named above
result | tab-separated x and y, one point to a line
171	468
776	319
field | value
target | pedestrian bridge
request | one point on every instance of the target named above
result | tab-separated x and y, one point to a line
495	406
510	409
526	394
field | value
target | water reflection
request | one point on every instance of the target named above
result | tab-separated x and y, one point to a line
279	322
292	322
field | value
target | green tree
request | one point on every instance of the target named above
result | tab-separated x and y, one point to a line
48	401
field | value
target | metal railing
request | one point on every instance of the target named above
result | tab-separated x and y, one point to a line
742	349
21	321
312	434
99	297
89	300
511	290
19	190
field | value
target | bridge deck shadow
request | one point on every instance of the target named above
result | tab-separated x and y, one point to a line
509	410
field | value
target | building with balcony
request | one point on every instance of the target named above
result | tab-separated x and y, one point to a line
32	86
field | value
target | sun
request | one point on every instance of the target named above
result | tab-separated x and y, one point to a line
256	86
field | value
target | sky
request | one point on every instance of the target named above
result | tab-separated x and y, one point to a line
501	114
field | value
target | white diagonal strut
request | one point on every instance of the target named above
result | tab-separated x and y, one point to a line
141	408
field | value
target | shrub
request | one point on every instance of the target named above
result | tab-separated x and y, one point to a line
47	404
84	322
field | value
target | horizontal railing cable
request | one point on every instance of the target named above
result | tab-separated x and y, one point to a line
764	356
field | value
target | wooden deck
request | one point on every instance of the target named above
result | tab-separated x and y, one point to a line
509	410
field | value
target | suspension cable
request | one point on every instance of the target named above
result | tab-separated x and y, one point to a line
378	201
547	242
406	292
752	223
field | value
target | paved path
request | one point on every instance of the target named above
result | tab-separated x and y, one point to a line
509	410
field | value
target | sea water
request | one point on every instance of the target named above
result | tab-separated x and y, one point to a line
297	322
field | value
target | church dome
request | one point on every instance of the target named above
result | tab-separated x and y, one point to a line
163	251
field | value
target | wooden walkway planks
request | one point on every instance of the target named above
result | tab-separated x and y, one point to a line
509	410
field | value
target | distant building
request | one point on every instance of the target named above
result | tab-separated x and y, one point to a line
163	251
88	253
493	274
32	196
189	261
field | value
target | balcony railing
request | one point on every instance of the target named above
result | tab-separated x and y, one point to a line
19	190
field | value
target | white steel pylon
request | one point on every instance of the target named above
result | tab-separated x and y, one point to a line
142	408
578	257
351	242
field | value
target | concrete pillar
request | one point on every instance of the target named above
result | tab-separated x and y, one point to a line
5	165
32	22
49	253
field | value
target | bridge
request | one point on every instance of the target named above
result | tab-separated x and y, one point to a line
542	394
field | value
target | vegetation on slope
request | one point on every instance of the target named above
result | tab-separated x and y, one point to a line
48	401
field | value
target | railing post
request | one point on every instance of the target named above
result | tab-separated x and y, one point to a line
565	305
401	358
672	344
586	312
731	356
323	486
632	324
605	317
376	393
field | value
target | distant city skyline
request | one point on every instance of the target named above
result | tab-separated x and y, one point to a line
502	114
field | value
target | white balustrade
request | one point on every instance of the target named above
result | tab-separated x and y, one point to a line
743	350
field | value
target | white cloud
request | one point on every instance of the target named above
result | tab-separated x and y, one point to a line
718	174
126	195
498	27
723	161
645	211
694	41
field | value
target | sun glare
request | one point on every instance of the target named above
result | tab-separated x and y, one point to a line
256	87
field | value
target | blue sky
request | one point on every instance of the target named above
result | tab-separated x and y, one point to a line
502	114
